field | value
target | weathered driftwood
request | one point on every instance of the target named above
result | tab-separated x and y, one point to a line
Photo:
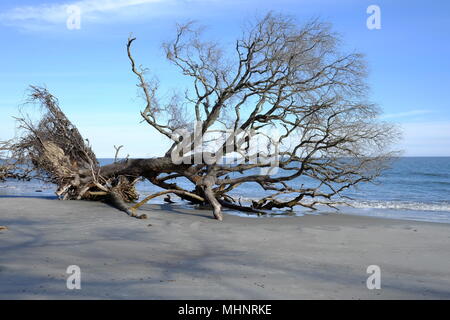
285	77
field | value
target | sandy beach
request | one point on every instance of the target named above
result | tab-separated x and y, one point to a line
180	253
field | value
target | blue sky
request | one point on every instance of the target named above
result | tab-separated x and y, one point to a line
88	70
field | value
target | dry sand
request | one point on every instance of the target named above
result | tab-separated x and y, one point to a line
184	254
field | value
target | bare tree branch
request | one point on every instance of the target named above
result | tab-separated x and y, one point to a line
282	77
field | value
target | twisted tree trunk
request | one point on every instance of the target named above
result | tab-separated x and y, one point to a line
292	96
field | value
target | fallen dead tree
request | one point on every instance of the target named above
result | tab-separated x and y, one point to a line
54	151
286	78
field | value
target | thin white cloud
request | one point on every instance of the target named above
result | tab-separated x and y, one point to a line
50	15
426	138
406	114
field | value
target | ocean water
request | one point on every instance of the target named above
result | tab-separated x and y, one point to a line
415	188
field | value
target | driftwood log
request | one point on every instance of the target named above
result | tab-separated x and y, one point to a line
283	77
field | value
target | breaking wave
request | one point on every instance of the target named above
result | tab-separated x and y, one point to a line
401	205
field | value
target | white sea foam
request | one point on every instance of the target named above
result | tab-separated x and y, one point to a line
378	204
401	205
